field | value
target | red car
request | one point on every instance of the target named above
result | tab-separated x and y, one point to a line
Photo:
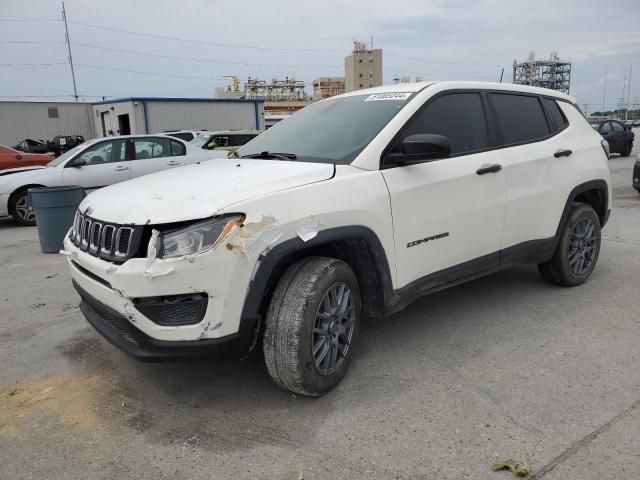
10	158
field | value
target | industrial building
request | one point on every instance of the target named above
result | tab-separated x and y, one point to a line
551	73
325	87
363	68
43	120
139	115
124	116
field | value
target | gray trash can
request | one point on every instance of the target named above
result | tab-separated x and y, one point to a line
55	208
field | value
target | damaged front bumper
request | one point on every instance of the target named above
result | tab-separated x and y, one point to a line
121	333
125	304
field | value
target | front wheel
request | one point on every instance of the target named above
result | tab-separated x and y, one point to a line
578	249
312	325
19	210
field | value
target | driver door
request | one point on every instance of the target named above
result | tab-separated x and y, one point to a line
448	213
102	164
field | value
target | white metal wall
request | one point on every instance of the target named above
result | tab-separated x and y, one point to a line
20	120
110	112
173	115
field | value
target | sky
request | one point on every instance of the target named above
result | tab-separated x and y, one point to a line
184	49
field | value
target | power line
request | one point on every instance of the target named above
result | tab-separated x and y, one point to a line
31	64
194	59
28	42
157	74
29	20
200	42
165	21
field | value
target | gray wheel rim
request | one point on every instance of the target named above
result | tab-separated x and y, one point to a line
582	246
333	329
23	212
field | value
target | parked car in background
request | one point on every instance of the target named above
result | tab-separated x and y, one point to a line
94	164
617	134
63	143
11	158
186	135
29	145
224	141
355	206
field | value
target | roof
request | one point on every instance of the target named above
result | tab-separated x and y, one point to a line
178	99
454	84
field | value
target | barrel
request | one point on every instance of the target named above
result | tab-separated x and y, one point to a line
55	209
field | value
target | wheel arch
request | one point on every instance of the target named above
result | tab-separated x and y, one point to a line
21	189
357	246
594	193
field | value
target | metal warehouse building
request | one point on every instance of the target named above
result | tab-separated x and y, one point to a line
43	120
136	115
139	115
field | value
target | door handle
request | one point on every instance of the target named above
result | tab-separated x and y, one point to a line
562	153
489	169
174	162
121	168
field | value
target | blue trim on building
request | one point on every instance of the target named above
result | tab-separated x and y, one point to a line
178	99
146	117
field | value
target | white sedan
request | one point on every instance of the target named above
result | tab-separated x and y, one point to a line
94	164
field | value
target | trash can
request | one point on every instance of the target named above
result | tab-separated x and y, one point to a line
55	208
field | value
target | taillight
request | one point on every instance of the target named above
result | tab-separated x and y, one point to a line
605	147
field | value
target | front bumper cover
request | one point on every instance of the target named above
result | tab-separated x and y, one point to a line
121	333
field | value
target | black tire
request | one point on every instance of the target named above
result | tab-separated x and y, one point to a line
626	151
563	268
291	326
17	206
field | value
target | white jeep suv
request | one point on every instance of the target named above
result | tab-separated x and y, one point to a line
354	206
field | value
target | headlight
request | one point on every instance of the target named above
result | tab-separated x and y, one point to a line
197	238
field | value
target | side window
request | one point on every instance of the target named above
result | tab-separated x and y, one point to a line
607	127
556	114
520	117
151	148
98	154
222	141
618	127
177	149
459	117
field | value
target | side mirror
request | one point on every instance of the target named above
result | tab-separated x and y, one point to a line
423	147
77	163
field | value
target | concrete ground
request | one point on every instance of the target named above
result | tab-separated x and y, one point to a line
507	366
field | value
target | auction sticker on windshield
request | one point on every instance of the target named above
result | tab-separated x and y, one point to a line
379	97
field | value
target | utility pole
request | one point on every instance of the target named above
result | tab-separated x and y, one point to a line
586	112
501	74
604	90
66	30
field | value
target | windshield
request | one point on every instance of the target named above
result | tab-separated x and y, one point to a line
66	155
201	139
331	131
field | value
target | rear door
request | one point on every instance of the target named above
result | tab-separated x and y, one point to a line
102	164
448	214
153	154
536	179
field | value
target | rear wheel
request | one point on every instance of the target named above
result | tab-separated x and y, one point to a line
626	151
578	248
19	211
312	325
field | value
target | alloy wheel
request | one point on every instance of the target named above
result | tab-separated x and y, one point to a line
333	329
582	246
23	211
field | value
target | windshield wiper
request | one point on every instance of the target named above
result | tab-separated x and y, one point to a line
268	155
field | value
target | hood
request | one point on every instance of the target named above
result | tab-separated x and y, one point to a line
9	171
199	190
